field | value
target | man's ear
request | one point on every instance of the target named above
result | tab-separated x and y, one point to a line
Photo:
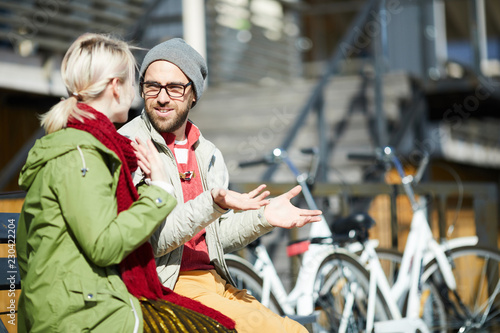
140	87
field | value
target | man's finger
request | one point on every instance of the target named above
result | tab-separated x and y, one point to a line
256	191
308	212
221	193
308	219
293	192
263	195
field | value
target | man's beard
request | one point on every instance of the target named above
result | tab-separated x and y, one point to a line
171	125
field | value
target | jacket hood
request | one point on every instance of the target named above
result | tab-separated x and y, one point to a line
52	146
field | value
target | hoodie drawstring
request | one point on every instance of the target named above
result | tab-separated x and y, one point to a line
84	169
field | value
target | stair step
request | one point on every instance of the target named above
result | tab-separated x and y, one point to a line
246	121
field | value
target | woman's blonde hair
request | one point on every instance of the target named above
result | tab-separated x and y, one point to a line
90	63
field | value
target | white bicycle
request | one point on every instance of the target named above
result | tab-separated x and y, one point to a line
426	289
319	257
431	287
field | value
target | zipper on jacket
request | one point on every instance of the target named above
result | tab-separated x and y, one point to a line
136	325
84	168
215	233
205	168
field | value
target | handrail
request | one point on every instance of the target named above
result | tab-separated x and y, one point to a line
317	92
484	197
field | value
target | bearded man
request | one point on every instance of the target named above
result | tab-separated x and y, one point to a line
209	220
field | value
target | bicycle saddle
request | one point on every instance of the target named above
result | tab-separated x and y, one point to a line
354	226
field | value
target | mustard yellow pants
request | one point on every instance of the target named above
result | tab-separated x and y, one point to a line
250	315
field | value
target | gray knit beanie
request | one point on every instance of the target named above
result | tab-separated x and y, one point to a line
178	52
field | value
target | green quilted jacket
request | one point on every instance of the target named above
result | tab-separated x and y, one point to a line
70	239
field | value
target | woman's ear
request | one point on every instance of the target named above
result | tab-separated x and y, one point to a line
115	87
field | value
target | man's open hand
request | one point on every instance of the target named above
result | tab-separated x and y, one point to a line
281	213
228	199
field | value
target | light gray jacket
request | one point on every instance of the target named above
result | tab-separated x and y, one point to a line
231	230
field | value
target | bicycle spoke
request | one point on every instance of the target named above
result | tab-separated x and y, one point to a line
482	277
487	307
343	288
348	306
475	304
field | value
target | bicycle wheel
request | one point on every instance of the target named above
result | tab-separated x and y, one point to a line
432	307
245	277
391	261
342	287
475	304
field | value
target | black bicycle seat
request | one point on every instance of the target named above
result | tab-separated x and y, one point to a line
355	226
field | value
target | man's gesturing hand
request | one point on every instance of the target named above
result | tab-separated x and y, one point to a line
228	199
281	213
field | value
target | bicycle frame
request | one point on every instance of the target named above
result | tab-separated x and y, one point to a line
301	295
408	280
420	249
300	300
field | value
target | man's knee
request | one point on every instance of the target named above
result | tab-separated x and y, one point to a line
267	321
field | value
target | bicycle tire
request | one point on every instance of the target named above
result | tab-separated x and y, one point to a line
432	307
390	260
340	273
246	278
475	305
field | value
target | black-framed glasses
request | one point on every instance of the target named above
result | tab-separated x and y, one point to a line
152	89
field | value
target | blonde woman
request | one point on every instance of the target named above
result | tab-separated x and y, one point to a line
82	244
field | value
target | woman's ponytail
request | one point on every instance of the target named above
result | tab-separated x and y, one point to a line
88	66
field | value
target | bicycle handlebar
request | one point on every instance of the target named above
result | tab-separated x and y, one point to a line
362	157
387	155
275	157
309	151
279	155
246	164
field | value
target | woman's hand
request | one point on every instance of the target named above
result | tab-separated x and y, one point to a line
149	160
228	199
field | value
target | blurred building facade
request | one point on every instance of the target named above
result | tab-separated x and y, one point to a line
344	76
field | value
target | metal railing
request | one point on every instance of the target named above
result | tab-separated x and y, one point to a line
483	195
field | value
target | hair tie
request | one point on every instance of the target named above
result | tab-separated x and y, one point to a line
77	96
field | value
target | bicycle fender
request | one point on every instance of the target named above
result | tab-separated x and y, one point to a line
450	245
459	242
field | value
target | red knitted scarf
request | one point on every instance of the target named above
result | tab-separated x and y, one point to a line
138	269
